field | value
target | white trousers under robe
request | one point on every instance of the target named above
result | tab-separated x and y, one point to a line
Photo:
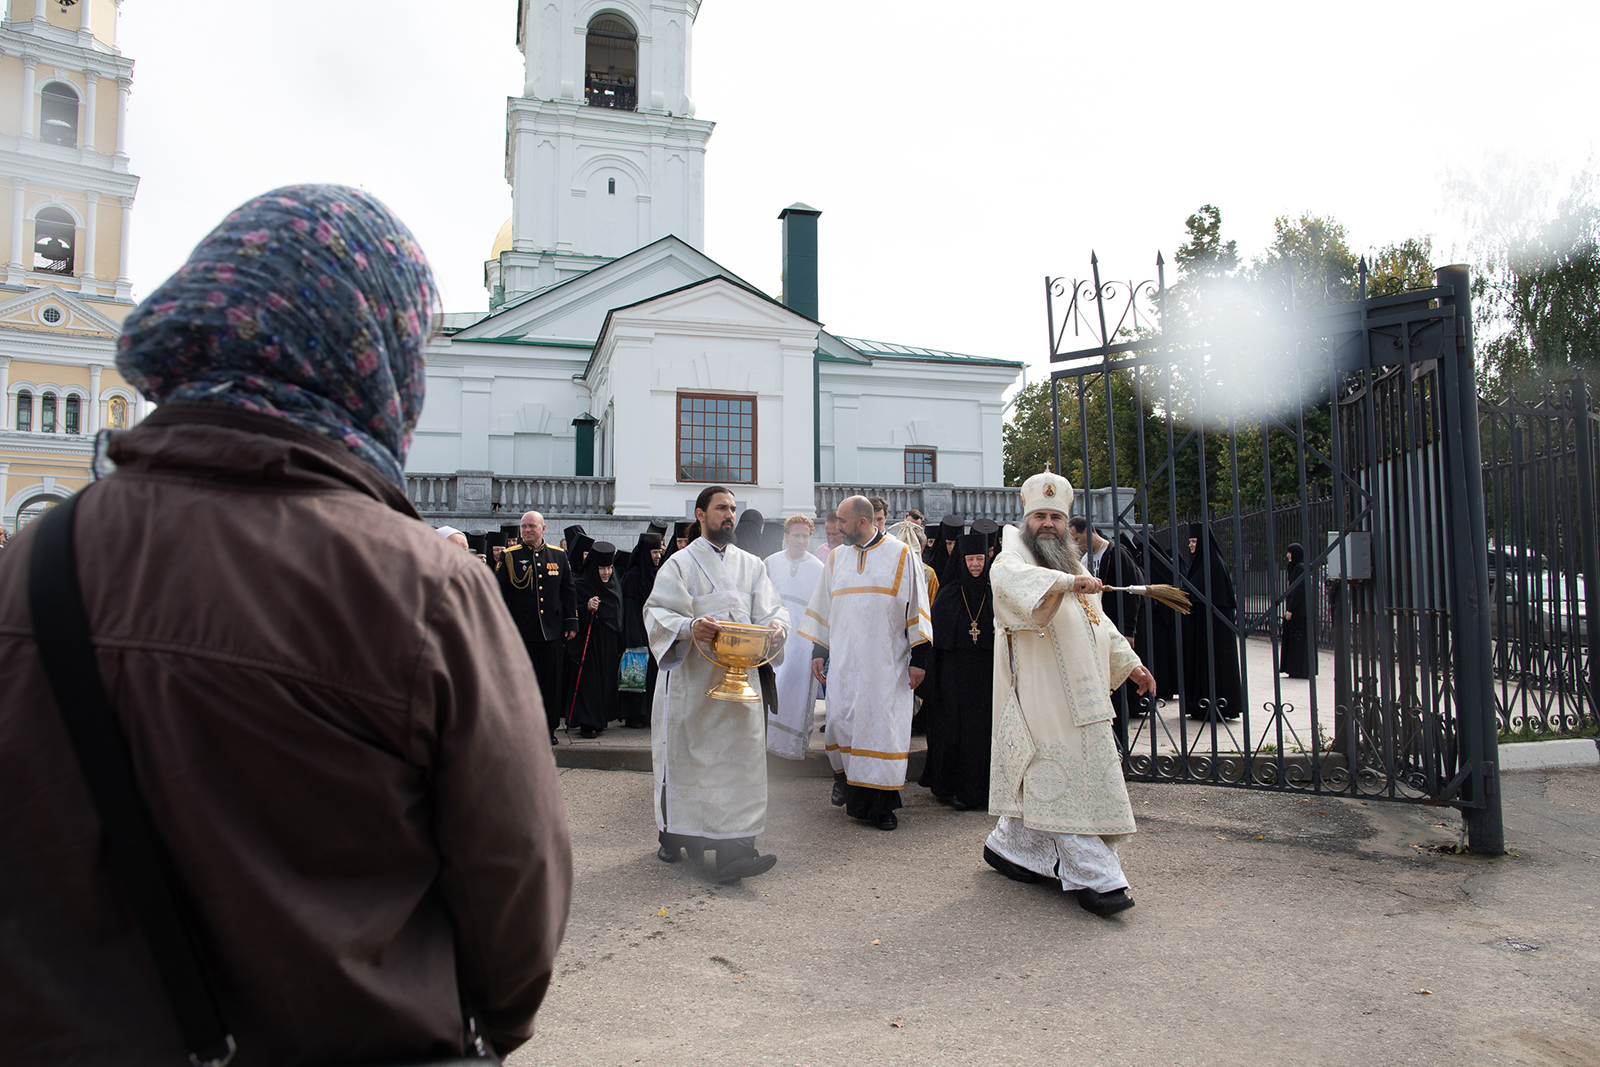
1081	861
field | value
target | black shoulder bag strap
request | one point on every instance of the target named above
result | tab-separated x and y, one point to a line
61	630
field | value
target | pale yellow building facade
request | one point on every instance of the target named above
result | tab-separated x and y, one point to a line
63	161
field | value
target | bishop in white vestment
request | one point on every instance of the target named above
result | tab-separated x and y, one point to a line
1055	776
870	612
794	573
709	756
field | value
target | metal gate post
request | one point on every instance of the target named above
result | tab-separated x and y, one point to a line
1477	726
1587	536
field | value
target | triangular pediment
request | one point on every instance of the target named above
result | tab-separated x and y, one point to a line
576	310
715	300
31	311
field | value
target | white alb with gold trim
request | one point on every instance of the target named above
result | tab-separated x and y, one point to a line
870	610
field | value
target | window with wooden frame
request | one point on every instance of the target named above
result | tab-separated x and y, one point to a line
716	438
922	465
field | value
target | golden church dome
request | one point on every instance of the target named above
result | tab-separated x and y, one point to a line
502	240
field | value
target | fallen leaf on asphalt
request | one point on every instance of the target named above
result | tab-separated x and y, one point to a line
663	911
1424	992
1259	837
876	941
897	1023
1221	838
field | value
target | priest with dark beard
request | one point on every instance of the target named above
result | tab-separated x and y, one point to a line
1055	777
962	677
598	644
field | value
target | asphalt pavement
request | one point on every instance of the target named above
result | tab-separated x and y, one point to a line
1269	929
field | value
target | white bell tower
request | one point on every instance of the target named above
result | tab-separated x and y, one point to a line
603	153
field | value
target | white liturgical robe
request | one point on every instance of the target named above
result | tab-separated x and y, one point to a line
869	611
789	731
709	755
1054	762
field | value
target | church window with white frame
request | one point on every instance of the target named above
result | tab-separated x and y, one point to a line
25	411
922	465
716	438
47	413
73	408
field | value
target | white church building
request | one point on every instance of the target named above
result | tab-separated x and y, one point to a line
620	369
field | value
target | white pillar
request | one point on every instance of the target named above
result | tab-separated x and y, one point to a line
29	64
5	469
89	229
124	283
122	115
19	189
5	399
116	26
90	79
83	19
93	414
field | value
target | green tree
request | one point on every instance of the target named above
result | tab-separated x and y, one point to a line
1027	437
1536	273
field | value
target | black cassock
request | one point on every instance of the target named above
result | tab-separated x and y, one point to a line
1117	567
1295	657
1162	655
598	652
962	672
1215	664
636	587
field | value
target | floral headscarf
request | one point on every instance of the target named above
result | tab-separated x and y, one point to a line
312	303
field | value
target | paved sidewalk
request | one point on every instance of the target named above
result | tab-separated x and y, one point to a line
1270	929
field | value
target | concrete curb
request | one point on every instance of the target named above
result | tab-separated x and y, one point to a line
1545	755
617	757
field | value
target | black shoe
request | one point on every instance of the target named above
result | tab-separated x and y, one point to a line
959	804
669	855
888	821
589	733
837	799
1104	904
748	867
1007	868
553	740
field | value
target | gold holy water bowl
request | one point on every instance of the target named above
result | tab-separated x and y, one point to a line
737	649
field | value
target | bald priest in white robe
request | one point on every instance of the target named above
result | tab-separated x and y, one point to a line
1055	775
870	614
709	756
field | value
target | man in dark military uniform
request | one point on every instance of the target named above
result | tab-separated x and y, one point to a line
537	583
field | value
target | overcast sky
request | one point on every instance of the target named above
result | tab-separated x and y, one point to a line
959	151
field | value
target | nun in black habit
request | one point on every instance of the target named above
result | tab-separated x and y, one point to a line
597	650
941	540
749	533
1295	657
962	669
637	584
1210	669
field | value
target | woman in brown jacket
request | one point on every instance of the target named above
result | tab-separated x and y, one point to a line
329	712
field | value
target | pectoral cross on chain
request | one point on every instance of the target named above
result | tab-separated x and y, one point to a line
974	631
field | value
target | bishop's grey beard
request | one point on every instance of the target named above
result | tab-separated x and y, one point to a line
1057	553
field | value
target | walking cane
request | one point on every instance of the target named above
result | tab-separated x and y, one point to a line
583	657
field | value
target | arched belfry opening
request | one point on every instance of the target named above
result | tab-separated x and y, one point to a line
611	67
58	115
54	239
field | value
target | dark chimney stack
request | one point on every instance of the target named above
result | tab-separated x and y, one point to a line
800	258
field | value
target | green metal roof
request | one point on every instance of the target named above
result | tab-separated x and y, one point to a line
887	350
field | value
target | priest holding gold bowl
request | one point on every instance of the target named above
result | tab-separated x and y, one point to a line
708	727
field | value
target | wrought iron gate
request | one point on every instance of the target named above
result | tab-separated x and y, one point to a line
1352	428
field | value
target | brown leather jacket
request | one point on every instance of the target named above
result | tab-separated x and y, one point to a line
339	736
